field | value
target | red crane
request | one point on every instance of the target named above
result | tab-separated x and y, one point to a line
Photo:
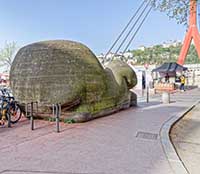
192	33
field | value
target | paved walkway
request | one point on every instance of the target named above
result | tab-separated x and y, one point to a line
124	143
186	138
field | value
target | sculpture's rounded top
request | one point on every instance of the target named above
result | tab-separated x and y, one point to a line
57	44
73	49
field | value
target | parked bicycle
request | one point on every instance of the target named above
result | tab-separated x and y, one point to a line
9	108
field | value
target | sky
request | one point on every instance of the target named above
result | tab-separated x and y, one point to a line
95	23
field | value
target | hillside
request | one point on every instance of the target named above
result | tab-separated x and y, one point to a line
159	54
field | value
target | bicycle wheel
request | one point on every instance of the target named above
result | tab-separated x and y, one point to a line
15	114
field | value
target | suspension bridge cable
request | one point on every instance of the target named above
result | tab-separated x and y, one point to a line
139	27
133	26
123	31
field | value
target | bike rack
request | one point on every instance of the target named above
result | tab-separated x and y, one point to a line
31	106
9	121
56	109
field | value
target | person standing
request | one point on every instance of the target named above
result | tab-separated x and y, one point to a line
143	82
167	78
182	87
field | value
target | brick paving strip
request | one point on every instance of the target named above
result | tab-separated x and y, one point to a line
128	142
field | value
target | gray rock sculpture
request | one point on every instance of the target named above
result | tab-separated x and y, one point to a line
69	73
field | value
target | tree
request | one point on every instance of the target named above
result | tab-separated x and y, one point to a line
7	54
178	9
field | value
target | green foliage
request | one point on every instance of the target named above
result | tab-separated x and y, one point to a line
7	54
69	121
158	55
192	57
178	9
50	119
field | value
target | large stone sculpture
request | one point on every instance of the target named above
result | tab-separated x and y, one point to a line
69	73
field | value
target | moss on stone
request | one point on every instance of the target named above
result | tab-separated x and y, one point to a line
65	72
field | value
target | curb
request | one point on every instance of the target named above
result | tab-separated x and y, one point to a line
174	160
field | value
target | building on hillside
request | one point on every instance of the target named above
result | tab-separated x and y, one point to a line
118	56
132	61
101	57
142	48
128	55
110	56
174	43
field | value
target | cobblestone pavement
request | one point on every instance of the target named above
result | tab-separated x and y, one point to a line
186	138
127	142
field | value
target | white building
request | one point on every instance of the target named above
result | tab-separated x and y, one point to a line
142	48
128	55
110	56
171	43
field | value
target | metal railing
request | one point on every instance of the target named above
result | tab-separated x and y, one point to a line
32	111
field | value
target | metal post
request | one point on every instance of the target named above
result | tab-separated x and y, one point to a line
147	94
193	78
37	108
147	86
53	109
26	109
9	120
57	117
31	118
